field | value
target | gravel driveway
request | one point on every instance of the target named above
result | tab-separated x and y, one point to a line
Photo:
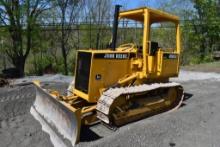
196	123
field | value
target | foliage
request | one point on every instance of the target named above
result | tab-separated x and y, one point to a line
200	28
43	32
205	27
20	18
69	10
38	63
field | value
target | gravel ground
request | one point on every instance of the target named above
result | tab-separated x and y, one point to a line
196	123
205	67
17	127
45	78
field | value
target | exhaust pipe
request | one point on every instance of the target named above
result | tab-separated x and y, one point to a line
115	27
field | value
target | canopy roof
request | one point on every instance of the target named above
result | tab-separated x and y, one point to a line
155	15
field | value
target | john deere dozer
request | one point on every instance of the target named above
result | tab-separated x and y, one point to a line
116	85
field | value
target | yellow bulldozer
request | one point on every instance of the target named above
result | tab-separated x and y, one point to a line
116	85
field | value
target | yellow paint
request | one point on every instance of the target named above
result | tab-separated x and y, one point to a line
156	15
81	94
145	39
142	68
36	82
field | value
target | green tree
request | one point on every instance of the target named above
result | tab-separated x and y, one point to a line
200	27
206	25
20	18
69	10
98	13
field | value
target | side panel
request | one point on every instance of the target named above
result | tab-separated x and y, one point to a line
170	64
167	64
106	70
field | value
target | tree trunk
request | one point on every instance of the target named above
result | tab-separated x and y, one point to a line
97	40
64	52
63	37
19	63
202	51
17	58
64	59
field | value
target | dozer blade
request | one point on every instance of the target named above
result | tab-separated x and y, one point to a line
61	121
